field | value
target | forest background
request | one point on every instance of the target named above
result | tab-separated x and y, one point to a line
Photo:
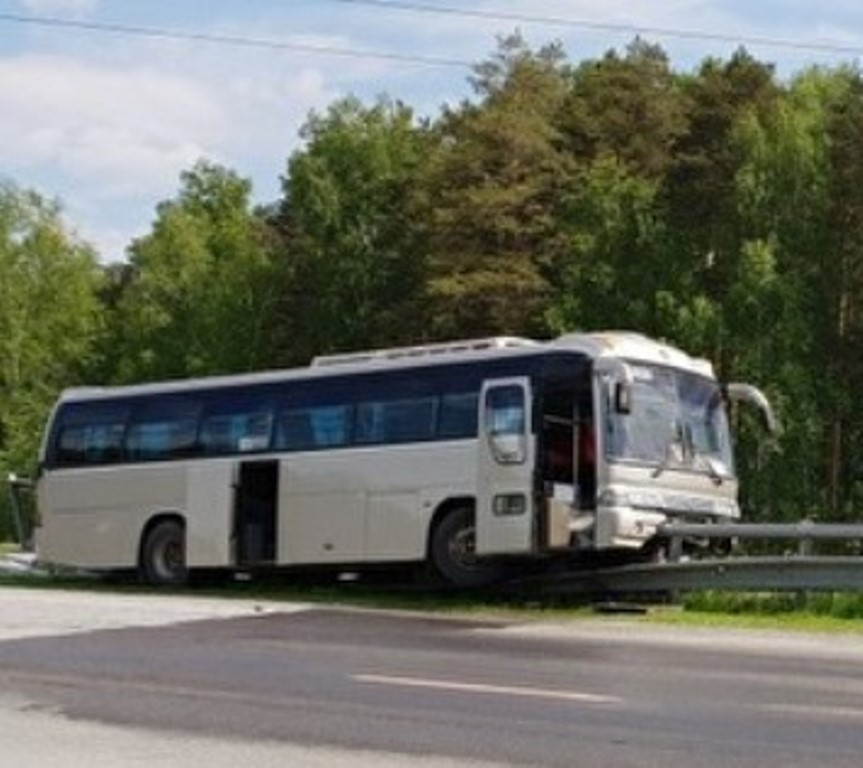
719	209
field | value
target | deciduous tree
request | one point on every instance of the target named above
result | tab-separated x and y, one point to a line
355	275
50	318
201	292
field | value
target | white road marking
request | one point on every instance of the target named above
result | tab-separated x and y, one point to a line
814	712
483	688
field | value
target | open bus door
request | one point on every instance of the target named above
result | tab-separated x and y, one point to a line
256	512
504	513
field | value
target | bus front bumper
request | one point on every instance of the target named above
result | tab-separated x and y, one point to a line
626	527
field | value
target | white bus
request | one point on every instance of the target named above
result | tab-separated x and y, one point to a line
465	456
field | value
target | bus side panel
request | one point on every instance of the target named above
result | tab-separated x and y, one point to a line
406	485
321	509
93	517
209	513
370	504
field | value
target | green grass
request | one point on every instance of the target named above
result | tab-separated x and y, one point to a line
786	622
822	611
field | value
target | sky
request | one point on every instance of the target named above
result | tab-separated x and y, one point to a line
105	122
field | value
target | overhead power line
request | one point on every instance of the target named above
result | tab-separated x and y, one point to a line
232	40
273	44
823	46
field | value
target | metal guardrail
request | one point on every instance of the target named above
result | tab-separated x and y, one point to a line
745	573
806	532
794	573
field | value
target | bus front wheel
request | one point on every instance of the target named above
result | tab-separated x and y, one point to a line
453	552
163	555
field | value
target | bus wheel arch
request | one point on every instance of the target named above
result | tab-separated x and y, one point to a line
162	551
451	547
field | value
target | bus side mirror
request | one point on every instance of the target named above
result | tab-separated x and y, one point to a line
619	378
623	397
746	393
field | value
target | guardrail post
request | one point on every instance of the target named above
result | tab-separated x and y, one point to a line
806	546
15	508
16	485
675	549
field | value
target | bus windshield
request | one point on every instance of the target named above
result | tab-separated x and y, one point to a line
677	420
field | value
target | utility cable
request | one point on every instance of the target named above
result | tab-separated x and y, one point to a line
233	40
824	46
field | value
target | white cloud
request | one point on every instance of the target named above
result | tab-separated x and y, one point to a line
109	135
134	127
60	6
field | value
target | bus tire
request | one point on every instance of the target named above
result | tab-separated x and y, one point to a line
452	552
163	555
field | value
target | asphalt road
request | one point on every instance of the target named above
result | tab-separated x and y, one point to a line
137	680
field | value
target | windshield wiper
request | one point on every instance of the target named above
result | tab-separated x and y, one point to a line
662	466
706	463
689	453
676	439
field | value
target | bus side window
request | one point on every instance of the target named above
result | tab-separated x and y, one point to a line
90	434
506	423
235	432
96	444
395	421
295	431
164	429
71	446
216	435
253	431
505	411
332	425
457	415
236	421
314	427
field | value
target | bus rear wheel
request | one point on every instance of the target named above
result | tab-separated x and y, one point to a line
163	555
453	552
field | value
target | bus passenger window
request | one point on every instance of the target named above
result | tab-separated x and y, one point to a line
314	427
254	431
458	415
331	425
217	435
71	446
395	421
295	431
90	433
90	444
159	440
235	432
164	429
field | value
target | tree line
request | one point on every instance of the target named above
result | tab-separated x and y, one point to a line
719	209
